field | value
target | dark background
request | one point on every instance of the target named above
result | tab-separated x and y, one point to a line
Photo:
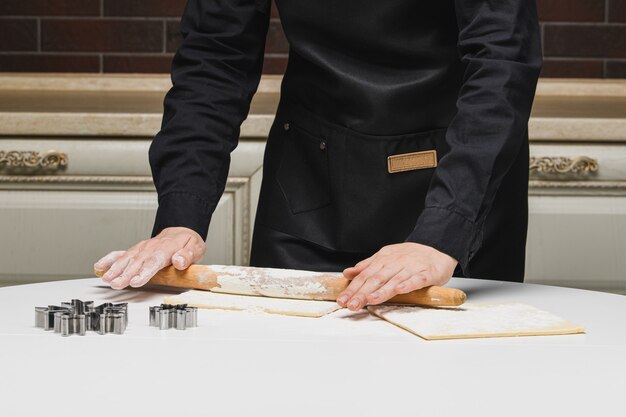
581	38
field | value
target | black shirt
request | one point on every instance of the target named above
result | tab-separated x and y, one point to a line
380	68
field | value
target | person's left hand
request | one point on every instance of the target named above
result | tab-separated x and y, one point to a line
395	269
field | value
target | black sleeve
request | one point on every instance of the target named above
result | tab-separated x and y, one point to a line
215	73
499	44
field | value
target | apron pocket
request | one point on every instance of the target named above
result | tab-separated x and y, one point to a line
386	179
303	173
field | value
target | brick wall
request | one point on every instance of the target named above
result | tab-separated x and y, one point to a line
581	38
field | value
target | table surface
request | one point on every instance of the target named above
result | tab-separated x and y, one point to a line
254	364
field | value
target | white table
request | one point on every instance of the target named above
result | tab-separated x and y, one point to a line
239	363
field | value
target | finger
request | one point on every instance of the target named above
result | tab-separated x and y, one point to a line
117	268
199	250
134	265
198	247
372	284
353	271
106	261
150	267
387	291
185	256
415	282
352	287
356	283
161	252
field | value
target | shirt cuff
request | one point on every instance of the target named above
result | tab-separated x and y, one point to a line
448	232
183	210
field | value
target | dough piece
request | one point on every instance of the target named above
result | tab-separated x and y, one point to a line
475	320
289	307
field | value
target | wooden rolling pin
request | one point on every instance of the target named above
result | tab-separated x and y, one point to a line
287	283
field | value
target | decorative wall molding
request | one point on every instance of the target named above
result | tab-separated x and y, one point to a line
36	160
563	165
92	179
75	179
601	185
577	188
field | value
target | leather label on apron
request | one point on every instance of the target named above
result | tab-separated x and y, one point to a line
411	161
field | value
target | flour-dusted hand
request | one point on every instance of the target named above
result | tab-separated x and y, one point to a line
395	269
178	246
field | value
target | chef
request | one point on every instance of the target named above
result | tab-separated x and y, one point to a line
398	154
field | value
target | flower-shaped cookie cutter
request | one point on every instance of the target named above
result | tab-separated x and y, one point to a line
177	316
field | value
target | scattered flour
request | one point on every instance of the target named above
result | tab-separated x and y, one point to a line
270	282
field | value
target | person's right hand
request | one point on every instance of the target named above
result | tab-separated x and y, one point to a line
178	246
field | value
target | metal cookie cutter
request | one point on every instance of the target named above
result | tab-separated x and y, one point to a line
108	318
76	317
44	316
69	318
68	323
177	316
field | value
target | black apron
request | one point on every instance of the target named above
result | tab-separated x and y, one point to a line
327	199
369	81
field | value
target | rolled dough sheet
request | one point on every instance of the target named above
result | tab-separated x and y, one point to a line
475	320
289	307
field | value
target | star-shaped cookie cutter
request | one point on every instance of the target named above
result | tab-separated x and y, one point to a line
76	317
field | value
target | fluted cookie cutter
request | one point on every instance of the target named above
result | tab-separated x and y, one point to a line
76	317
178	316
